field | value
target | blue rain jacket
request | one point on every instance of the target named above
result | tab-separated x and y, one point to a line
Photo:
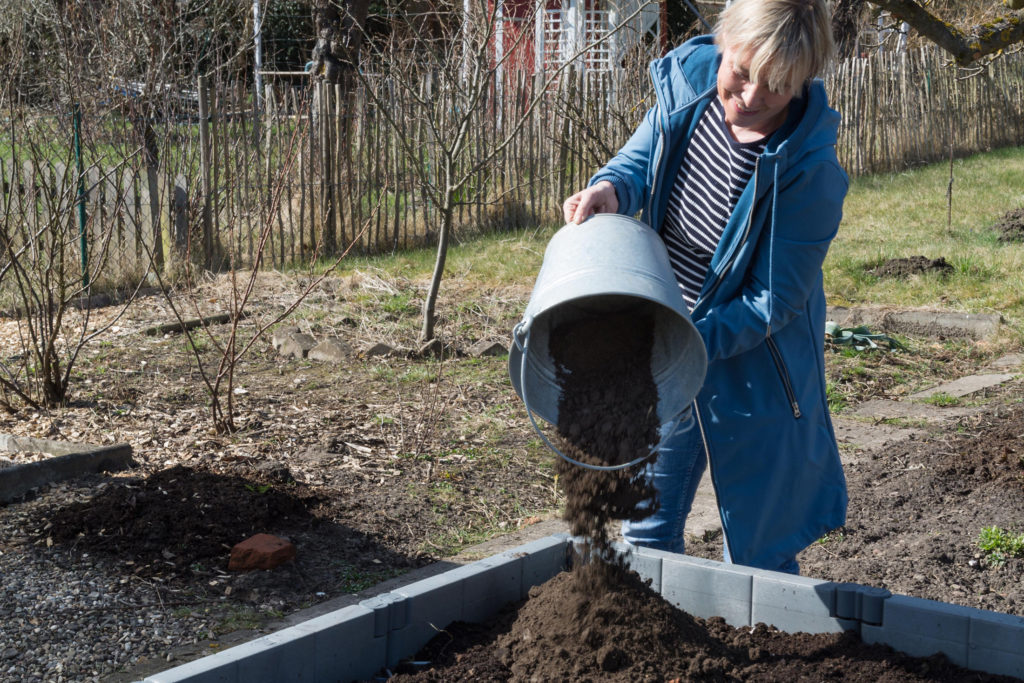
761	313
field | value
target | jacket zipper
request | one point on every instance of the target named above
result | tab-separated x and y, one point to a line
657	169
787	385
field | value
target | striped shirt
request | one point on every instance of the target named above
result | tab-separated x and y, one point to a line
714	171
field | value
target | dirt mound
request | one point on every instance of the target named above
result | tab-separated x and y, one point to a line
1011	226
180	517
568	632
605	624
900	268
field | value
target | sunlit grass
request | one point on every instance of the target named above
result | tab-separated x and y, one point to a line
908	214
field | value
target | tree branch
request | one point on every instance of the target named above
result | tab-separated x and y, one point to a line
965	48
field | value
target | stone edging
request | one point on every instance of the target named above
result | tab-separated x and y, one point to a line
69	460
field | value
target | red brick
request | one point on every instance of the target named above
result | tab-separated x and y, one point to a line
262	551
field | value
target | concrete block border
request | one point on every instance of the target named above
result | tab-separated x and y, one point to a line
69	460
356	642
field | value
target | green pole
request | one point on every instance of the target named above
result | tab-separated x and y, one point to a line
77	117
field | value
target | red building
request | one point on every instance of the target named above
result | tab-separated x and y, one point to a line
540	35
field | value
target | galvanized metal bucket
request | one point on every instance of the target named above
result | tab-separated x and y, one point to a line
608	264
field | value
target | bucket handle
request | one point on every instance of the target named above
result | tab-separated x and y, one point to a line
522	330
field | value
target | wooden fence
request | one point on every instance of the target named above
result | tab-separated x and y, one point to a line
319	171
905	109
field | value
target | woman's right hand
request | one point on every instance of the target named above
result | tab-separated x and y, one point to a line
598	198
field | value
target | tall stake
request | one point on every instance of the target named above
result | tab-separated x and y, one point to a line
83	245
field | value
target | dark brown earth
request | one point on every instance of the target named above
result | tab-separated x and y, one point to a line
1011	226
381	464
900	268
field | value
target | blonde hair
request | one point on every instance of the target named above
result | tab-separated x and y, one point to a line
788	42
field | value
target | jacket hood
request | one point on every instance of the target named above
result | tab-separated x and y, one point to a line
690	73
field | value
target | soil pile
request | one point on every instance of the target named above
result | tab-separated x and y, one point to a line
607	415
569	631
181	518
1011	226
900	268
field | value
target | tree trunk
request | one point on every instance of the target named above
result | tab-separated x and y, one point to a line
339	35
447	217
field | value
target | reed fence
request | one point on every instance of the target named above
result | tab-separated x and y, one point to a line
320	169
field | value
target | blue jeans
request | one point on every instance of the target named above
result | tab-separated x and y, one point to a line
676	474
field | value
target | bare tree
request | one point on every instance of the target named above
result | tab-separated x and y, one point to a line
53	251
444	63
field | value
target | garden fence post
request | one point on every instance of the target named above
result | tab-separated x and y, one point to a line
204	157
83	242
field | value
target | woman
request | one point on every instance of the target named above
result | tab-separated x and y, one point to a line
735	166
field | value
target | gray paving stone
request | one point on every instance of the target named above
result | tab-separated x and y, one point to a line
996	643
997	631
869	436
199	671
965	386
331	350
645	562
345	646
69	461
1009	363
914	644
489	585
885	409
871	608
390	611
706	588
288	656
433	604
297	345
937	324
998	662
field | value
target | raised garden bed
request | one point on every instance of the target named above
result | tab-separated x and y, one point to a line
359	642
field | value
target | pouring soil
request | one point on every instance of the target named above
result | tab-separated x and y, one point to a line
601	621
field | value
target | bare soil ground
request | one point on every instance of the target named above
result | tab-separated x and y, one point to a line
380	464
